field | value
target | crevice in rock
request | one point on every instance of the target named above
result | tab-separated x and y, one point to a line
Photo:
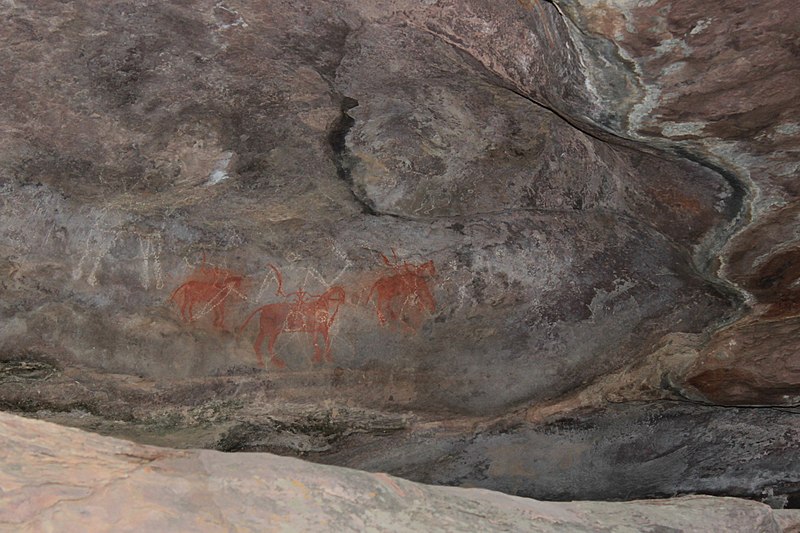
342	157
681	397
739	207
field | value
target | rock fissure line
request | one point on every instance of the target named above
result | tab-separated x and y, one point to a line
342	158
683	399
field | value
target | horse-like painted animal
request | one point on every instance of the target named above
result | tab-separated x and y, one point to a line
210	288
314	314
403	295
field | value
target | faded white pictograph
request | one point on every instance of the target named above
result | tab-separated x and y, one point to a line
150	273
98	242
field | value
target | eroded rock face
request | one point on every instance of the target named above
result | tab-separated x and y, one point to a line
719	83
651	449
56	477
433	215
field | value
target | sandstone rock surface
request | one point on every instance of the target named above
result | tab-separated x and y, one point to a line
524	216
55	478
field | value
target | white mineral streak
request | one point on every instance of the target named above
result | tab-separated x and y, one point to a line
220	172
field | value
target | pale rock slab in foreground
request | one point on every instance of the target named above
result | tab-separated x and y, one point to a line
54	478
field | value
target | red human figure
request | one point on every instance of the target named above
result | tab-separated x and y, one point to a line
209	287
315	316
404	295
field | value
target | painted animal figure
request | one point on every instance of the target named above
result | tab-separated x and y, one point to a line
208	293
315	315
407	289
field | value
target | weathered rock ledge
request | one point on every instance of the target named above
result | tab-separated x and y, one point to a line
56	478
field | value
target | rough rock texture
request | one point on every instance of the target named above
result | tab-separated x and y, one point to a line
55	478
461	223
719	83
536	263
647	450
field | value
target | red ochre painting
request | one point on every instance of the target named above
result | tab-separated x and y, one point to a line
403	297
314	314
207	290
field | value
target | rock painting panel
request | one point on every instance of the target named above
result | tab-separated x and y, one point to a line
402	299
314	314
